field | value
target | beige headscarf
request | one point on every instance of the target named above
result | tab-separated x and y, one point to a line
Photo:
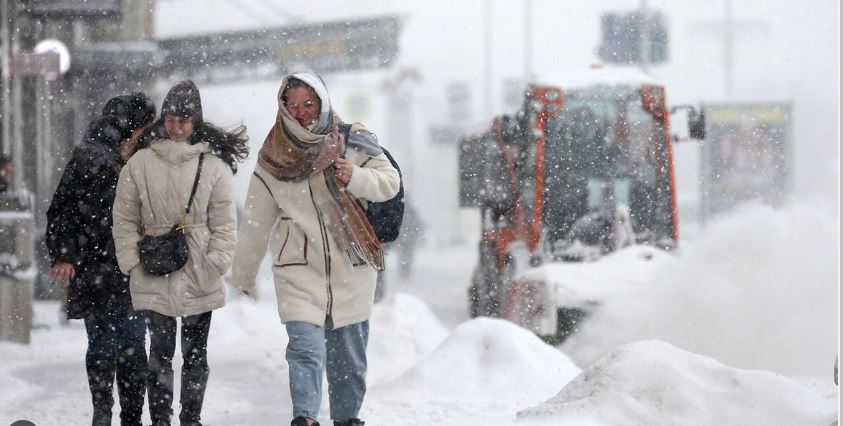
293	153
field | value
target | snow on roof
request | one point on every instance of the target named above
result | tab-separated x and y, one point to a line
653	382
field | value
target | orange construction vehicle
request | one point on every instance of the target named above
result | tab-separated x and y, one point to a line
578	172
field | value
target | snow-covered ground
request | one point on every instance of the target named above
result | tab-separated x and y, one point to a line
755	292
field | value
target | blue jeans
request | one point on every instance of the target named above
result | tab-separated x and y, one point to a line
344	349
108	334
116	348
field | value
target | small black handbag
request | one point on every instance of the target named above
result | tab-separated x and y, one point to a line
165	254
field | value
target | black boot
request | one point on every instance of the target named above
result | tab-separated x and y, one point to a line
159	385
301	421
131	384
100	380
350	422
193	385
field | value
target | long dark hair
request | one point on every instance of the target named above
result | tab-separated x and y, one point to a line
232	146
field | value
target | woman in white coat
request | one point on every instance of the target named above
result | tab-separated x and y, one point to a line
152	193
302	201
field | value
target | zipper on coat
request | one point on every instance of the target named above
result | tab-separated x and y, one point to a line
326	252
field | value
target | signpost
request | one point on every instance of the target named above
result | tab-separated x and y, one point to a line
746	156
640	38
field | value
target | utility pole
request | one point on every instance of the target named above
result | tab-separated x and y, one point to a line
7	21
727	31
487	58
528	41
644	34
728	48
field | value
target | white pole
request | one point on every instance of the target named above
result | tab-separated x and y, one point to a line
487	58
6	17
528	41
644	37
728	49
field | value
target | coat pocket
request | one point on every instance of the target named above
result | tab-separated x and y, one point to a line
293	244
203	277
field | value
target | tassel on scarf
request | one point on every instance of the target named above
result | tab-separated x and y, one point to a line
360	255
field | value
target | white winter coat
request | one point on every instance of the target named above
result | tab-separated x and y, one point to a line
152	194
313	278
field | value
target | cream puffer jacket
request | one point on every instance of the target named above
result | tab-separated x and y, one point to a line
313	278
152	194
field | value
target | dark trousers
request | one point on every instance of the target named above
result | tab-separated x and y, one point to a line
116	348
194	374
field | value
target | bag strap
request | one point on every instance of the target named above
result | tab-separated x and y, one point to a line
195	184
345	130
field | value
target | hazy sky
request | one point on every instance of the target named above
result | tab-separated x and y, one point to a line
784	51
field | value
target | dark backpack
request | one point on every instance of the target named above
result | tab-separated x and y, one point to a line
386	216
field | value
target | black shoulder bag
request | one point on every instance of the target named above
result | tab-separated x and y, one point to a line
165	254
385	216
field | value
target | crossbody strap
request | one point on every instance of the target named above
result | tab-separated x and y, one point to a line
345	130
195	184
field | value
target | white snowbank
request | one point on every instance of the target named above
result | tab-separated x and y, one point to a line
757	290
652	383
486	367
402	330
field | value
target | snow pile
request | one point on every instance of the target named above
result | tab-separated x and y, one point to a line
648	383
402	331
486	366
755	291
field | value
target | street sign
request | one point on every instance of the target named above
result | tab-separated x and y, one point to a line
323	47
27	64
634	38
250	55
746	156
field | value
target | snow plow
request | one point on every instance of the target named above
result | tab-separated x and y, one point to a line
578	172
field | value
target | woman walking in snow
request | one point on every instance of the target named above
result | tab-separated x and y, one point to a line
154	188
82	254
325	254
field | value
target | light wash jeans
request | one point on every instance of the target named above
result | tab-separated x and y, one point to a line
345	351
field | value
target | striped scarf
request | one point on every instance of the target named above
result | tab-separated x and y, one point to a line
291	153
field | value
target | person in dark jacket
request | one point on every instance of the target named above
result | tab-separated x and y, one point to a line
82	253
